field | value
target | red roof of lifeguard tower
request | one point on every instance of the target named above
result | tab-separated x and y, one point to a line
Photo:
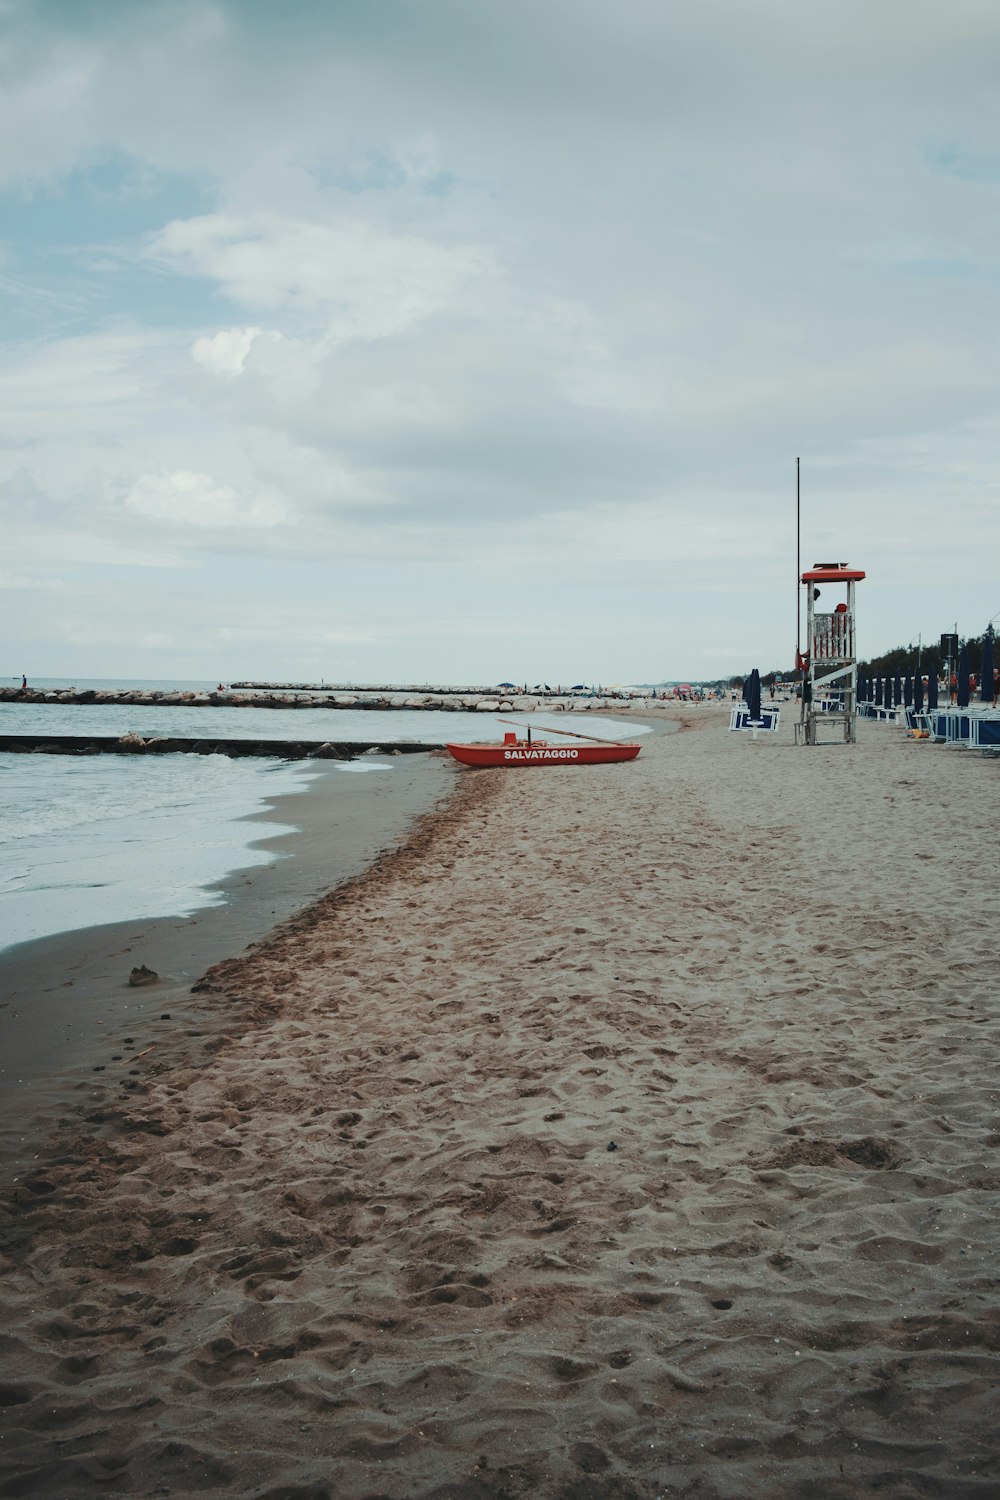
832	573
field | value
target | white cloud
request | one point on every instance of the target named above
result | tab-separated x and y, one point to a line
60	549
182	498
225	353
366	283
28	580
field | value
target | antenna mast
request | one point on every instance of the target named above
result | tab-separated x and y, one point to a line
798	564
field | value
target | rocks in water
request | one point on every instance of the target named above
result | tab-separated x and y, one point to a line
143	976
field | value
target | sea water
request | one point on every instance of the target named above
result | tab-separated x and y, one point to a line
106	838
392	726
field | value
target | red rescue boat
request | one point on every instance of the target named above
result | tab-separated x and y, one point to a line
529	752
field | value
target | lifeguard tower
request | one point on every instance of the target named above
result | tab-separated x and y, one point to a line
830	665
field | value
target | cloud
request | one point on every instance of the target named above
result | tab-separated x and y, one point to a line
64	551
183	499
225	353
365	283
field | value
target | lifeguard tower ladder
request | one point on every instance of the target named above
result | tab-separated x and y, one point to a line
830	685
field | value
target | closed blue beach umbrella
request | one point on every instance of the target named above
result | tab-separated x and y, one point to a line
897	690
932	696
986	675
908	690
962	695
752	693
918	692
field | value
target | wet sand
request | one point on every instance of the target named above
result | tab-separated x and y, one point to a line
630	1131
66	1005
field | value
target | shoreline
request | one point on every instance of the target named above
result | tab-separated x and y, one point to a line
66	1006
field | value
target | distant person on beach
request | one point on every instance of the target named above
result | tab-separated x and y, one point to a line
24	683
953	685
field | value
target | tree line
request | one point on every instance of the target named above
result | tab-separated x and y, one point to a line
927	659
903	659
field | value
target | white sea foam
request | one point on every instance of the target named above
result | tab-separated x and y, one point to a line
106	838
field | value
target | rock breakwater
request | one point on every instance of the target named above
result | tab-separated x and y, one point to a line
135	744
518	703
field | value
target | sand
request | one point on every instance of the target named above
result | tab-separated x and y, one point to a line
630	1131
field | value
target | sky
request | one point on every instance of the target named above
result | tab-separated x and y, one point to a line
465	341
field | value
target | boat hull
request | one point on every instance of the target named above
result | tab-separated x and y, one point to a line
523	754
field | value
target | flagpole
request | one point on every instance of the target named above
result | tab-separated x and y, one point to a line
798	596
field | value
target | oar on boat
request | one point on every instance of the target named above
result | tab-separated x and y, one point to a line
572	734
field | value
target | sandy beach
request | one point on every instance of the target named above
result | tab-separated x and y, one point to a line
627	1131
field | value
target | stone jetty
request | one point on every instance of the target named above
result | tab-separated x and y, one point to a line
307	697
135	744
